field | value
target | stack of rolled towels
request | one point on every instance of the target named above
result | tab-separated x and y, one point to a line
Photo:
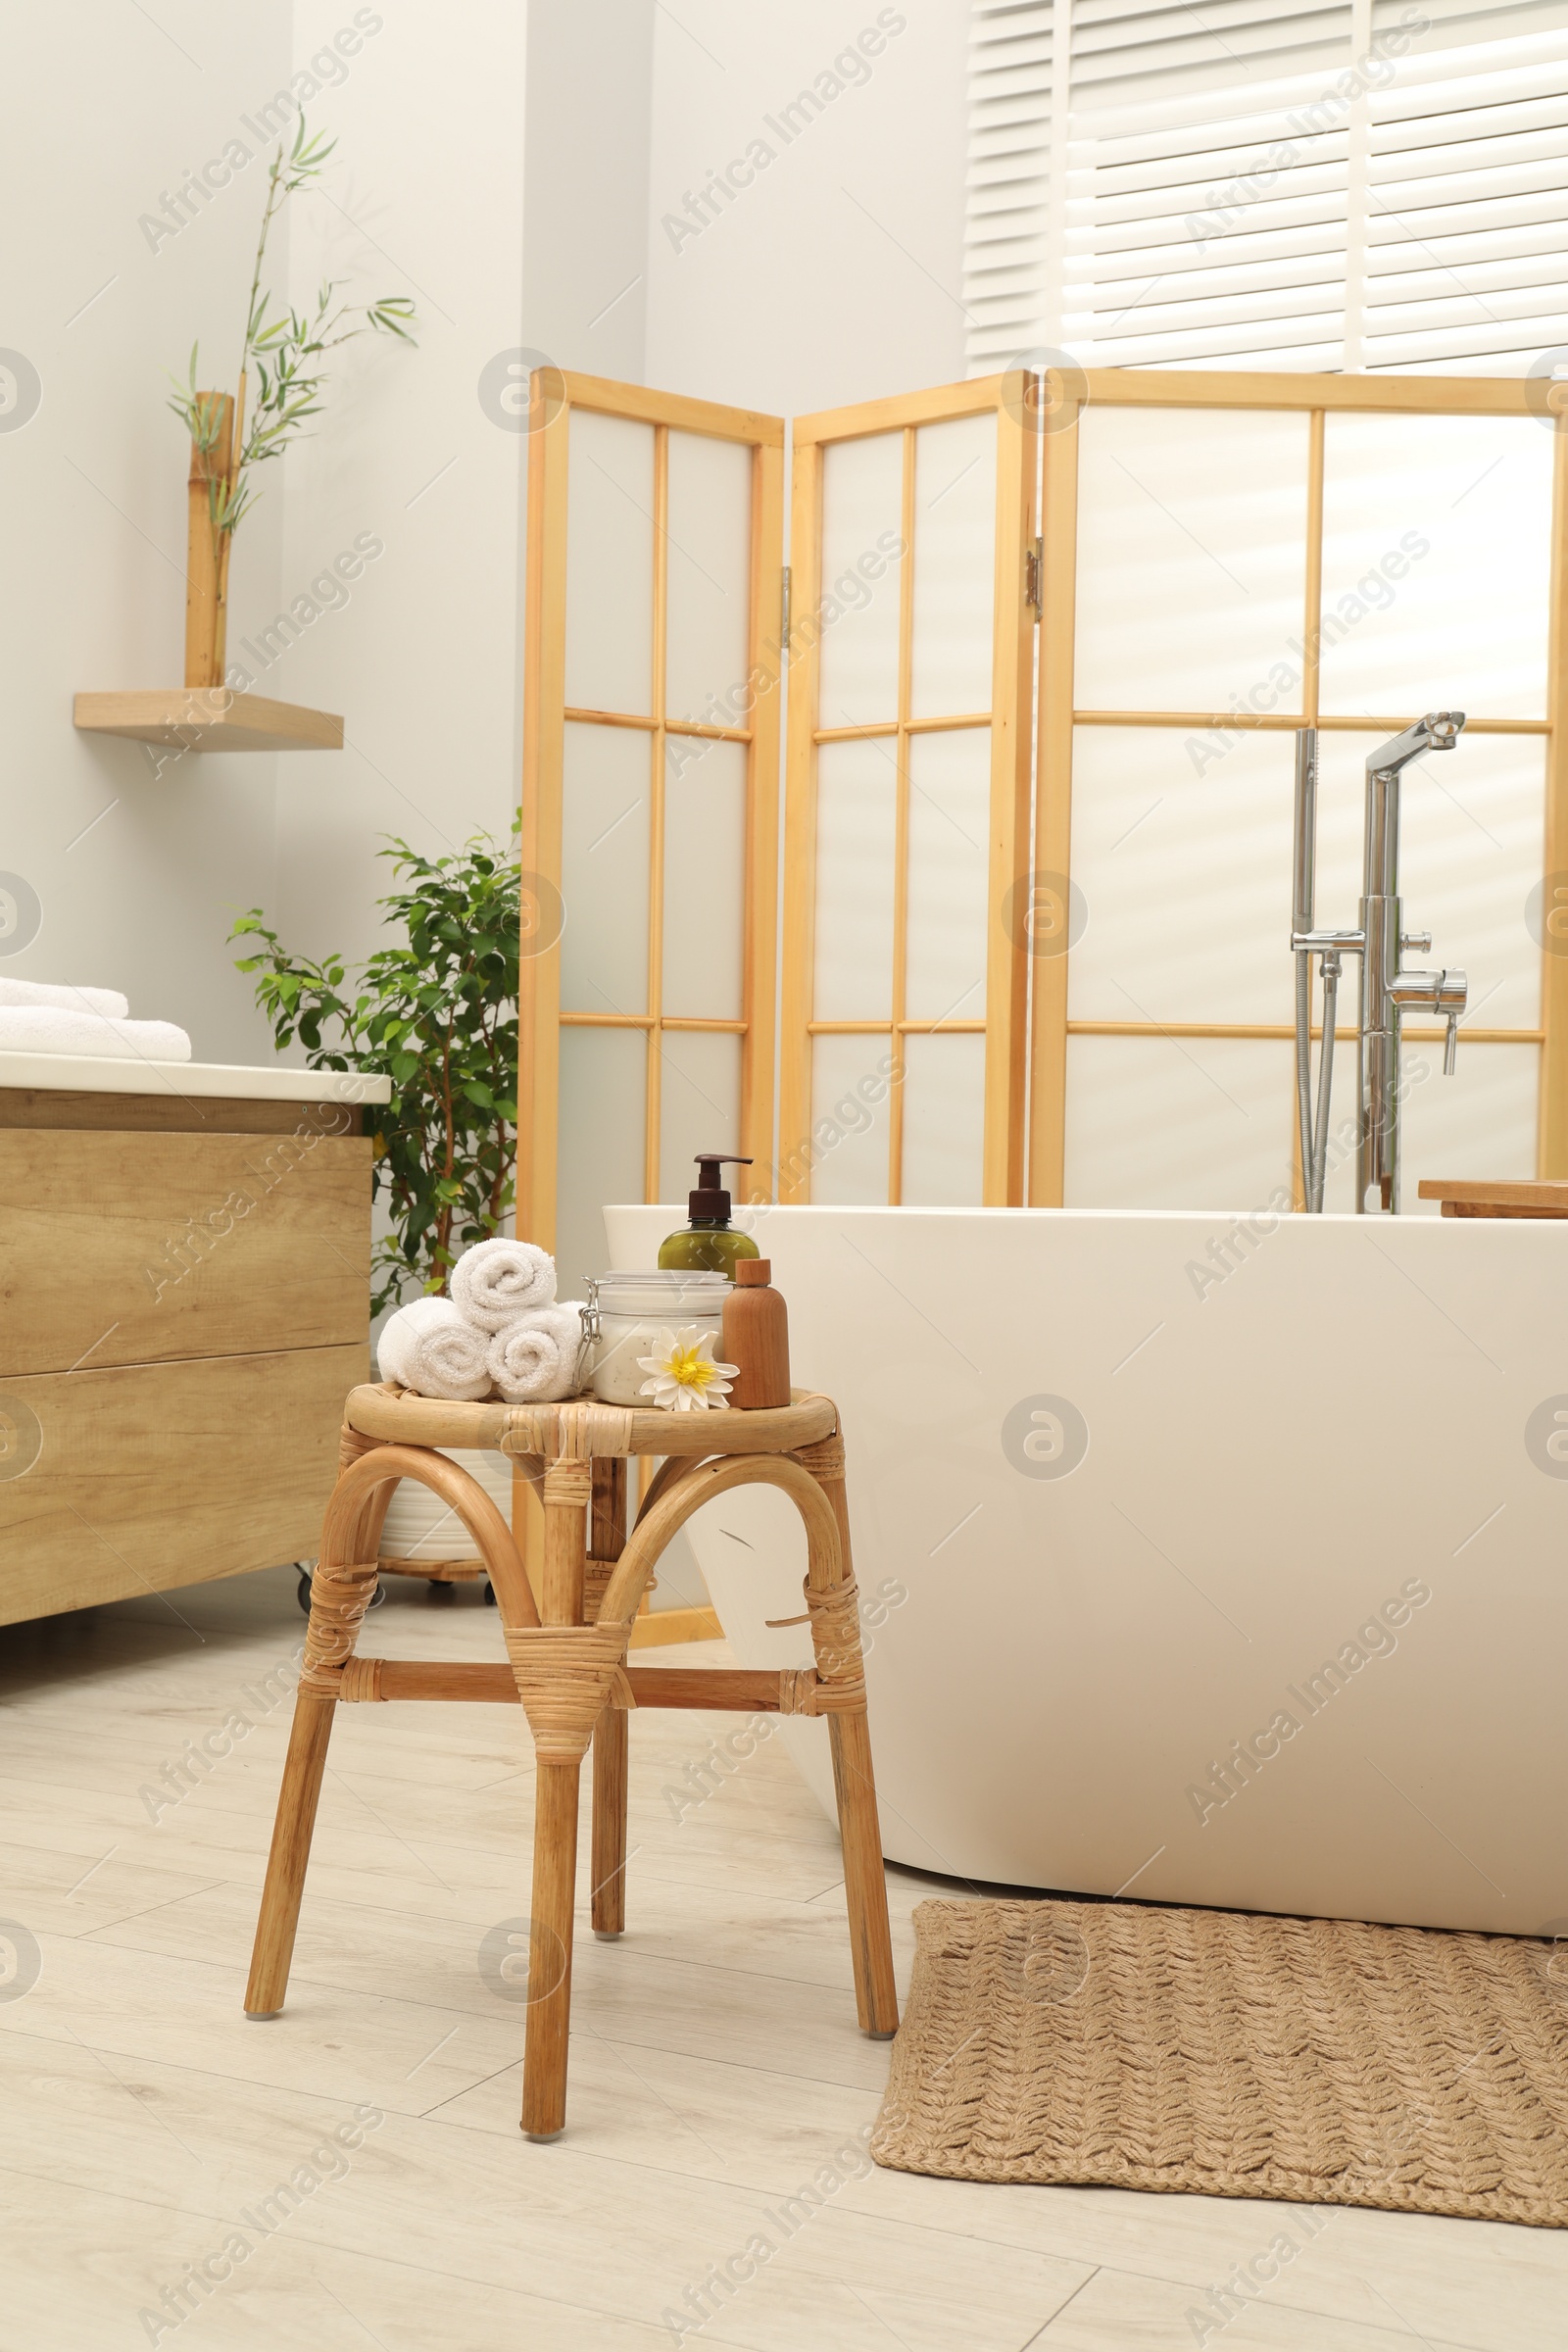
49	1016
501	1332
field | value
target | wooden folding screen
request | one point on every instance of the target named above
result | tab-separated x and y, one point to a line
650	800
962	976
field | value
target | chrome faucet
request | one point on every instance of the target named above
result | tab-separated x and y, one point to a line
1388	989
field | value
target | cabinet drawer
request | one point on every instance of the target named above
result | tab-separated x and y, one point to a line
156	1475
121	1248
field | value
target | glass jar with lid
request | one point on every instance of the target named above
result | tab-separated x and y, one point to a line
627	1313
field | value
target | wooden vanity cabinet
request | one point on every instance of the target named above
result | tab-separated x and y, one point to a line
183	1307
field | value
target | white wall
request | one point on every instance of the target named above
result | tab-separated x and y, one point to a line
424	197
138	873
837	275
585	201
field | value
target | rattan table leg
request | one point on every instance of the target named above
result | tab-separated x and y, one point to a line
340	1593
607	1526
298	1798
610	1761
568	1493
555	1887
876	1997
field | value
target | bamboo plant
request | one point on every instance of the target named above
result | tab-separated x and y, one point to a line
437	1012
286	355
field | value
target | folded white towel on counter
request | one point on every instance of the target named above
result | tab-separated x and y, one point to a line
430	1346
534	1360
496	1282
52	1029
59	993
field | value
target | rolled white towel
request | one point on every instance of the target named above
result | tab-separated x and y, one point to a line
496	1282
51	1029
534	1360
430	1346
59	993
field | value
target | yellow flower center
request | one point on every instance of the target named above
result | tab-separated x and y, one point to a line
690	1370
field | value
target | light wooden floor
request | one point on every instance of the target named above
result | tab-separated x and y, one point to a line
715	2065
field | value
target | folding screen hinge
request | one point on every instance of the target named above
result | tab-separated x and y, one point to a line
1033	564
784	610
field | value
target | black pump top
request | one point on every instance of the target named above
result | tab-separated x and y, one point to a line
711	1202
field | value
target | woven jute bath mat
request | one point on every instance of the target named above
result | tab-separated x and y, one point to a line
1314	2060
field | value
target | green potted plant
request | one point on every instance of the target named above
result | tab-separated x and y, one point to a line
436	1011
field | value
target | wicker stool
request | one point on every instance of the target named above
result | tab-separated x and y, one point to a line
568	1656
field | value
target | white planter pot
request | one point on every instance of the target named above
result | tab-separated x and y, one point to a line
419	1526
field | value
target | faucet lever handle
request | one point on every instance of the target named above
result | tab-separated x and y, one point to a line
1451	996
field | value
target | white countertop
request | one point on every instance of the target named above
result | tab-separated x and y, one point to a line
91	1074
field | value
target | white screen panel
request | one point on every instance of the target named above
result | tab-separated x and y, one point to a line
709	554
1182	851
699	1108
604	1094
955	566
950	801
1435	564
943	1113
603	869
1479	1123
856	812
1192	559
704	878
862	545
848	1140
1470	843
1159	1122
609	565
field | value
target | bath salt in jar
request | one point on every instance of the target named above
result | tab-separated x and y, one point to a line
628	1313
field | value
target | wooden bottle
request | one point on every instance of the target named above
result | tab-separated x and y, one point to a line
757	1337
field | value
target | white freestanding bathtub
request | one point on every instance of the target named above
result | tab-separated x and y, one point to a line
1222	1563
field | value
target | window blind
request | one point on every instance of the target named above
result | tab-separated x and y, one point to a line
1468	206
1006	259
1130	51
1254	184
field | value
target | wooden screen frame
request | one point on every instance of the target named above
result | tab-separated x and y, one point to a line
1010	398
1315	396
553	398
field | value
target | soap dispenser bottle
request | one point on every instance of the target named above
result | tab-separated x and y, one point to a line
710	1242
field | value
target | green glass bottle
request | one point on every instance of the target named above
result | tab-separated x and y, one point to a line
709	1243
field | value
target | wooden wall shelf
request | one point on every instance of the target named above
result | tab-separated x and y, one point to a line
209	719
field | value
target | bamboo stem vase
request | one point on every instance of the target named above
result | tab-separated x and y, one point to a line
207	547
